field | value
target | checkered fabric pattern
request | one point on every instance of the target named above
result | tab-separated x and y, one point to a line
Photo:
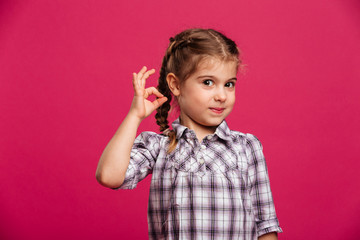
216	189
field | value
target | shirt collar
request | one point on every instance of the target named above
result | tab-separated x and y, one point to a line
222	131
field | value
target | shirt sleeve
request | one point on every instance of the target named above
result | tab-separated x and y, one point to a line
143	156
260	192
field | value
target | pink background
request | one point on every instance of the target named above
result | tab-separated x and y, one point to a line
65	86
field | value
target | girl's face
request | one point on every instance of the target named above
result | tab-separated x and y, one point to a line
207	97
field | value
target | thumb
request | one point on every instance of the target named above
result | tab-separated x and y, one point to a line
159	101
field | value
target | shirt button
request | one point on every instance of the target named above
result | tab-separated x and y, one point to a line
201	161
210	137
203	147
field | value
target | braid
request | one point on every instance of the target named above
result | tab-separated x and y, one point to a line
163	110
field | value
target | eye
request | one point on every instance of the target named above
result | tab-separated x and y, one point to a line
208	82
230	84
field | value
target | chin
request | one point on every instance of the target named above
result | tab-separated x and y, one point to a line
213	123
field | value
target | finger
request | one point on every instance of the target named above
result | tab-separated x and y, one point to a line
153	91
138	91
146	75
149	73
134	79
135	82
160	101
142	71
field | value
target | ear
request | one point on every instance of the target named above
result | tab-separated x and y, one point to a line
173	83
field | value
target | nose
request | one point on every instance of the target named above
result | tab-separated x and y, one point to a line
220	95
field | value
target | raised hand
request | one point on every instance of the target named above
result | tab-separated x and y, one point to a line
141	107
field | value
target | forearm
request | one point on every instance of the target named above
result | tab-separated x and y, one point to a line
269	236
115	158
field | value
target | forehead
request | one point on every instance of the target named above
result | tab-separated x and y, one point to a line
216	65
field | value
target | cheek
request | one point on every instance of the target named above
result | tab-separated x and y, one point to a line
196	97
232	98
189	102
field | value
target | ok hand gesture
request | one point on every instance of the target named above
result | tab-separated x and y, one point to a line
141	107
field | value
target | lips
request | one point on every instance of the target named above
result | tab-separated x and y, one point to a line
217	110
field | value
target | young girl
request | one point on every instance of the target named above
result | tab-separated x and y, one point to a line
208	182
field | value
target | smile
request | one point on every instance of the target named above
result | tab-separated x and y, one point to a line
217	110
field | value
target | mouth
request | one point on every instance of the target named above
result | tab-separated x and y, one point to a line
217	110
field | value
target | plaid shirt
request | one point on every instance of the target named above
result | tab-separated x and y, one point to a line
216	189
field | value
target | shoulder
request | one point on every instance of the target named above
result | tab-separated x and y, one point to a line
245	138
149	137
251	146
149	143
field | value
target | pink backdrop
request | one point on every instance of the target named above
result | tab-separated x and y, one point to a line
65	70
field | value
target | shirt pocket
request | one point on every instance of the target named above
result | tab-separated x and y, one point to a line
183	159
221	161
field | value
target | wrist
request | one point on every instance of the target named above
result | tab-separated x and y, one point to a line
133	117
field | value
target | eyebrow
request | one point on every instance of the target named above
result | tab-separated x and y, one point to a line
205	76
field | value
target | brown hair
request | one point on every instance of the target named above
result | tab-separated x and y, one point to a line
185	52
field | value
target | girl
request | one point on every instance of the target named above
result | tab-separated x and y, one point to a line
208	182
